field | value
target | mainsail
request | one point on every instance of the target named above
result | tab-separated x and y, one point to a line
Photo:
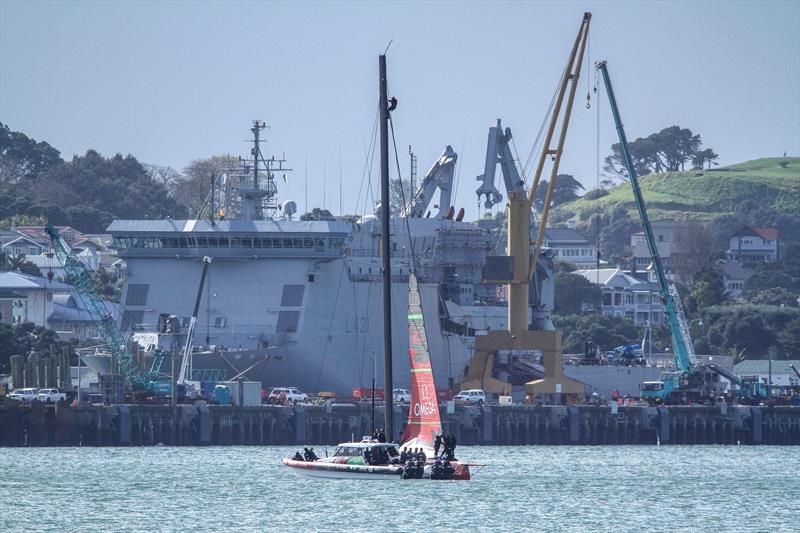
423	412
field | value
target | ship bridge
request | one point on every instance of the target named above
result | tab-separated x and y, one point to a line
234	238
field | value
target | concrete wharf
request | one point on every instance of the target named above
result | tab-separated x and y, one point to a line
202	425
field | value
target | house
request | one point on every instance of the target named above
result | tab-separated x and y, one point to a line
570	246
23	245
734	276
751	245
626	296
25	298
668	235
782	373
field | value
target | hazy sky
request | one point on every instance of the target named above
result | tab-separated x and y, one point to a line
170	82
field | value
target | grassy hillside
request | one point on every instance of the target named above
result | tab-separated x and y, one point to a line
704	194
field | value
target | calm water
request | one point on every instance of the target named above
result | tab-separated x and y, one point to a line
614	488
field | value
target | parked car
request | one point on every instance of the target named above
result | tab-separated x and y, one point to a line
401	396
471	397
287	395
51	395
24	395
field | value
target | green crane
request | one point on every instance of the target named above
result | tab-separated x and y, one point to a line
685	363
81	279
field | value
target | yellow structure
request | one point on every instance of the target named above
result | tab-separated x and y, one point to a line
518	337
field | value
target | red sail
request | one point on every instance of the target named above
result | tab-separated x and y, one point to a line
423	412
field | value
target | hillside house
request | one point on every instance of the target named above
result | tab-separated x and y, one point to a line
570	246
751	245
626	296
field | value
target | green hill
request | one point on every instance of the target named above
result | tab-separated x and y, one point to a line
703	194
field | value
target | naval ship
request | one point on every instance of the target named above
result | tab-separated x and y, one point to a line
298	302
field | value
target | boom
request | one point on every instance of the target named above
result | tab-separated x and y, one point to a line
680	342
187	349
80	278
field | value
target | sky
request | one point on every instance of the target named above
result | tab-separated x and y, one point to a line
170	82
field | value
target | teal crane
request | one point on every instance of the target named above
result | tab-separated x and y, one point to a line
681	343
81	279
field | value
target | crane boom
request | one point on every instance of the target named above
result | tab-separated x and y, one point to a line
680	343
187	349
81	279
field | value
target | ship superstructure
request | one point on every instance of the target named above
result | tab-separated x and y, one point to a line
305	295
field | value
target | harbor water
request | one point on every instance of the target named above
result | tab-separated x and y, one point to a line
532	488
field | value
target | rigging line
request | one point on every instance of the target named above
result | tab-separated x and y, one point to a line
460	164
403	197
368	157
330	325
539	139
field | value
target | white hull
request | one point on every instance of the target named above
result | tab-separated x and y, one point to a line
342	471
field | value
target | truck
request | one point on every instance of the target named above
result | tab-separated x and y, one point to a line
51	395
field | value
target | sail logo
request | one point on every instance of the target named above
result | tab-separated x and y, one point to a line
424	408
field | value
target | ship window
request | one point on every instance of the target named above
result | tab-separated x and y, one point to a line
220	322
308	243
223	242
287	243
247	242
311	277
277	243
298	243
319	243
236	242
202	242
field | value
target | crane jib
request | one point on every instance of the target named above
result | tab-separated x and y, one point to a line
683	357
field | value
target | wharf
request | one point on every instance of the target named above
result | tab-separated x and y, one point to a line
215	425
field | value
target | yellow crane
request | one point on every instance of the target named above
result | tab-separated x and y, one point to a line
523	259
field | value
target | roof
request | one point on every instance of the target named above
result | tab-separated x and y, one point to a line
228	226
770	234
761	366
19	281
563	235
606	275
734	269
25	238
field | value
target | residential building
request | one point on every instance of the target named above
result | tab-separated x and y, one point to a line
626	296
666	234
734	276
751	245
25	298
570	246
23	245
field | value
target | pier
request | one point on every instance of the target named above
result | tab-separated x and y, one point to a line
215	425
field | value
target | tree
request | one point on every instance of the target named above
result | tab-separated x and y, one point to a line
789	339
709	288
607	332
565	190
665	151
768	276
21	339
192	188
572	292
397	194
318	214
20	263
107	284
615	230
22	158
694	244
748	329
774	296
704	156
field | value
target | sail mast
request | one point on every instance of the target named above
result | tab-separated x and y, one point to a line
383	110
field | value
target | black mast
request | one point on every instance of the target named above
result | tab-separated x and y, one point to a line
383	110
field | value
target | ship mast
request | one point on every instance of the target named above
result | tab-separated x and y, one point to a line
255	199
383	110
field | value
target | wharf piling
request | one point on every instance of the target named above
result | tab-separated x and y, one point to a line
214	425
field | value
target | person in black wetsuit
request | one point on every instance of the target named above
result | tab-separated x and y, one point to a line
437	443
298	457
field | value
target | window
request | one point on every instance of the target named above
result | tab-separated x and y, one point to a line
617	298
220	322
606	298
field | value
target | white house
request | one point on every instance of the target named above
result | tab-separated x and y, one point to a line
570	246
666	234
625	296
25	298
